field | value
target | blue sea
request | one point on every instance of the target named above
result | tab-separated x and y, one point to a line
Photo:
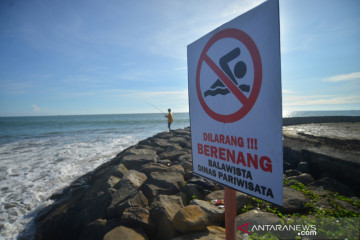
41	155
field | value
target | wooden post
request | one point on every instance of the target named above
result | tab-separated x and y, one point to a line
230	212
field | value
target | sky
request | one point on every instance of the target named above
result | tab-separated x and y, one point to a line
65	57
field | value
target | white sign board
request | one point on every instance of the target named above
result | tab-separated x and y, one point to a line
235	104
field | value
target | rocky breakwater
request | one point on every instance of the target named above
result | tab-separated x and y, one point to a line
148	191
329	151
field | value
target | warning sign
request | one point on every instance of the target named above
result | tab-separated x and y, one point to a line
227	83
235	104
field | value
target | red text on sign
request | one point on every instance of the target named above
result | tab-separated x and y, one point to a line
237	157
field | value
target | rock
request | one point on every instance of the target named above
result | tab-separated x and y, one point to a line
168	180
304	178
125	233
163	210
138	200
136	178
151	191
333	185
172	155
215	214
164	144
97	229
219	194
179	140
164	135
136	161
190	219
257	217
292	156
177	168
210	233
192	191
140	151
187	165
137	217
303	167
345	205
67	218
165	162
294	201
204	183
112	181
147	144
154	167
119	170
125	191
292	172
185	157
241	200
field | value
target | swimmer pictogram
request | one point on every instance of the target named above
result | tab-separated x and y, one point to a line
238	72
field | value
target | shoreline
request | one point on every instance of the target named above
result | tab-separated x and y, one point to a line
146	167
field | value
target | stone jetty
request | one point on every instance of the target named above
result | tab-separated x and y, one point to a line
148	191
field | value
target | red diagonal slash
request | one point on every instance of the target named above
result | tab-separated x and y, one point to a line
232	87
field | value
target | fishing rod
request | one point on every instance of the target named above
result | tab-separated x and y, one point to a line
155	107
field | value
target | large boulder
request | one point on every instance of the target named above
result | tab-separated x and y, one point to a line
163	210
304	178
137	217
179	140
136	161
334	185
136	178
139	151
119	170
168	180
67	218
125	233
172	155
293	200
209	233
257	217
124	192
191	219
98	228
215	214
153	167
165	144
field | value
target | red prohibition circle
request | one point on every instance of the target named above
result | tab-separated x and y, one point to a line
248	103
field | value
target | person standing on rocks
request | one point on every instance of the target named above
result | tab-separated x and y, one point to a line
170	118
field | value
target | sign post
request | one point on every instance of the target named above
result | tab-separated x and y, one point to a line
234	79
230	212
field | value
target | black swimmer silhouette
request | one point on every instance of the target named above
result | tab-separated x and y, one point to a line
239	71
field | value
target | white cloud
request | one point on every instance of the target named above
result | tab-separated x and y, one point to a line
343	77
287	91
35	108
319	100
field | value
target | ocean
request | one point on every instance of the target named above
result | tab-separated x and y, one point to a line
41	155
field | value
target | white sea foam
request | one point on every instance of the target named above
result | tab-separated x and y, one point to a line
32	170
